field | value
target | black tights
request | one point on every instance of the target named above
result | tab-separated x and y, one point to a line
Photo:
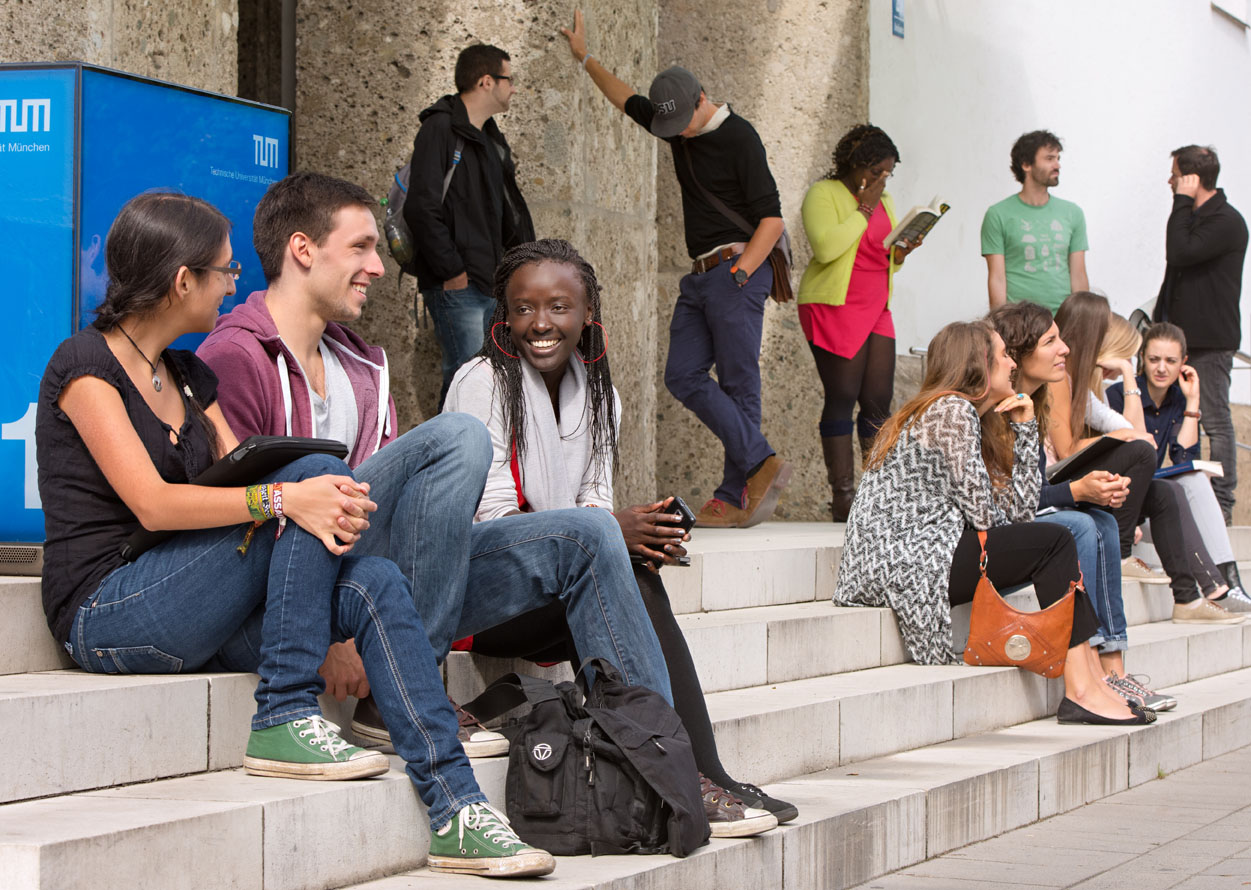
1173	533
1023	553
543	636
867	378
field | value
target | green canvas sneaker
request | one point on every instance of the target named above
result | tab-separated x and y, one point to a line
309	748
478	841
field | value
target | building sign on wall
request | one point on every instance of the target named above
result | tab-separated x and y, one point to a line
897	17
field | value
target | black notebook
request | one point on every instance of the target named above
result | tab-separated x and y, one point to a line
1079	463
253	459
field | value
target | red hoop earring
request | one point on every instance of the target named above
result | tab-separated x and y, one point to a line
497	342
602	354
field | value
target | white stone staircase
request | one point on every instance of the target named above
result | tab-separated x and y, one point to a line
124	781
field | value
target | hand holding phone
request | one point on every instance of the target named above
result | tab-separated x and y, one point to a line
654	532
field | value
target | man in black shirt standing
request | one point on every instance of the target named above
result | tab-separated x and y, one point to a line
1205	244
463	206
719	316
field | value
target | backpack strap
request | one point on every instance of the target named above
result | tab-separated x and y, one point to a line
508	692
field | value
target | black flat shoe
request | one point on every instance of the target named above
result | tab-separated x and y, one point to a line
1071	712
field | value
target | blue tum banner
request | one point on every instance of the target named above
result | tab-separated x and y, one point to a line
76	143
37	238
138	135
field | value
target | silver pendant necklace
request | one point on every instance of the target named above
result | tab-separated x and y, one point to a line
156	378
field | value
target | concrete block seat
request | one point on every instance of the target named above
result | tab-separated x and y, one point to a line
134	781
857	821
148	727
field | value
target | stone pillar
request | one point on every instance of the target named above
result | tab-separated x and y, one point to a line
798	72
587	175
190	42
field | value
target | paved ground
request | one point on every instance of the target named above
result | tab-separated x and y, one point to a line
1190	830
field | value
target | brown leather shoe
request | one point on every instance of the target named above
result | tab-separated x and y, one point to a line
764	487
718	514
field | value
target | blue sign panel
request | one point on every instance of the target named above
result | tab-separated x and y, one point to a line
140	135
897	17
37	248
76	143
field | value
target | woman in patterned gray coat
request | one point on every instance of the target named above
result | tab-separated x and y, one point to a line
962	456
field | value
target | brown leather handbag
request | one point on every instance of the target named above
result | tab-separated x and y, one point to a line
1001	635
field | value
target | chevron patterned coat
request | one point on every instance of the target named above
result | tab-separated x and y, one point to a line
909	514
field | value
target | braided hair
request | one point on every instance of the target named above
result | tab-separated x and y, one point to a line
507	368
862	146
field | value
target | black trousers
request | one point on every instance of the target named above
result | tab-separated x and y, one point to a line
1165	506
1028	552
543	636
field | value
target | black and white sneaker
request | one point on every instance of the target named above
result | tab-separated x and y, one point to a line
755	797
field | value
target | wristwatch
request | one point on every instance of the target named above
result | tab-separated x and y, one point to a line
1133	392
740	276
1197	415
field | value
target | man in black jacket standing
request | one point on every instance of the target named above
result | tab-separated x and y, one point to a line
463	206
1205	245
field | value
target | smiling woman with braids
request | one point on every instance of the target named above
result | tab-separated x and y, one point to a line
542	386
844	299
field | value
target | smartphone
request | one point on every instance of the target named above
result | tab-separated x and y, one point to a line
688	516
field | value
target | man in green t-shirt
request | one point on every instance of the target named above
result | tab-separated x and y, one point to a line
1035	244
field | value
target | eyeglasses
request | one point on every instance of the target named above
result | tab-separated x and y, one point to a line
233	269
507	77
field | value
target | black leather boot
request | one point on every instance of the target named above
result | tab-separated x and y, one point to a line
841	469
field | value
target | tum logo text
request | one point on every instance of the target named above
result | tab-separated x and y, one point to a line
265	151
26	117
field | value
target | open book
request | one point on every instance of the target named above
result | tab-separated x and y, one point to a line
1211	467
916	223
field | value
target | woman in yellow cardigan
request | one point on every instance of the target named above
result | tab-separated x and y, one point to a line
844	299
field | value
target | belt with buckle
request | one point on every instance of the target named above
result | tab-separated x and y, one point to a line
712	260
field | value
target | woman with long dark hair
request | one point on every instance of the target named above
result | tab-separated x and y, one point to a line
844	299
959	458
1079	414
543	387
257	578
1083	506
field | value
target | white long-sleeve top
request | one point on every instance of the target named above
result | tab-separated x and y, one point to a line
557	469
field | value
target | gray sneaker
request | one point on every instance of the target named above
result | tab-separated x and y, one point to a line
1135	685
1235	601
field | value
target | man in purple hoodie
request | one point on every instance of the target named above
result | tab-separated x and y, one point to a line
287	366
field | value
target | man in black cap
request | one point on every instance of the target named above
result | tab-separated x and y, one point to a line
719	317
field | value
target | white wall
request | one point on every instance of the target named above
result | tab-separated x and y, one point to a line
1121	83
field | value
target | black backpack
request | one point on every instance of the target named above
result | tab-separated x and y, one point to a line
614	773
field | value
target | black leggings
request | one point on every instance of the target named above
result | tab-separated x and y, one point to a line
1173	530
1024	553
543	636
867	378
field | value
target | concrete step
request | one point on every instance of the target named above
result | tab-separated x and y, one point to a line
144	728
857	823
25	642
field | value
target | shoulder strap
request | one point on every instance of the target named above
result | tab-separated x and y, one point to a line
712	199
447	179
508	692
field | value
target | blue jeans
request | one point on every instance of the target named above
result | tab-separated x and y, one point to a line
196	602
717	323
460	321
1098	551
468	577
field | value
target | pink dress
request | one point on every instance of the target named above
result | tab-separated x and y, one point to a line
844	329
